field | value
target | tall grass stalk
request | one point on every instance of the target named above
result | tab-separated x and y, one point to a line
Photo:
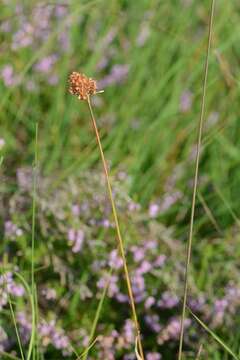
199	142
119	236
97	316
215	336
33	286
16	328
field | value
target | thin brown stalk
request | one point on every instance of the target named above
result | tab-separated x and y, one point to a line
199	142
199	352
119	236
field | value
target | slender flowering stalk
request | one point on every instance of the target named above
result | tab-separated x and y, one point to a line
83	88
200	128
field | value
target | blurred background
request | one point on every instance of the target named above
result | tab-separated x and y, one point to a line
148	56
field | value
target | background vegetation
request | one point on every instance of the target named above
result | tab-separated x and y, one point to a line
148	56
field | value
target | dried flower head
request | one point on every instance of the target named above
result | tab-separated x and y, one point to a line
81	86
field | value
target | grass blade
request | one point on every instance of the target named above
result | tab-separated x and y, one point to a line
214	336
96	318
199	142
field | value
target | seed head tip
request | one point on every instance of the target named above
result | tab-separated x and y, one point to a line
81	86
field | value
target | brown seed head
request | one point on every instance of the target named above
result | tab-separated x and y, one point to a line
81	86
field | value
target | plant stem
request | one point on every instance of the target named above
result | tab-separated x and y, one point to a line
200	128
119	236
33	289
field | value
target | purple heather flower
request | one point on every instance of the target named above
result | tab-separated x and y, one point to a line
138	253
144	268
8	76
49	293
153	356
153	322
76	210
150	245
160	261
172	330
25	326
106	223
129	332
115	260
11	230
45	65
60	11
6	26
16	290
138	284
76	239
197	304
103	63
117	75
169	200
122	298
220	305
132	206
168	301
149	302
111	282
186	101
153	210
23	37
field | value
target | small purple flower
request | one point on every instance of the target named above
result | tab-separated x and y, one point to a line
168	300
160	261
220	305
23	37
117	75
138	253
144	268
12	230
8	76
111	282
149	302
153	322
76	239
197	304
76	210
45	65
186	101
138	284
129	332
153	356
172	330
115	260
153	210
16	290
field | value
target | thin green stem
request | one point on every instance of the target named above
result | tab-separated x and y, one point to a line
33	288
199	142
119	236
97	316
15	326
